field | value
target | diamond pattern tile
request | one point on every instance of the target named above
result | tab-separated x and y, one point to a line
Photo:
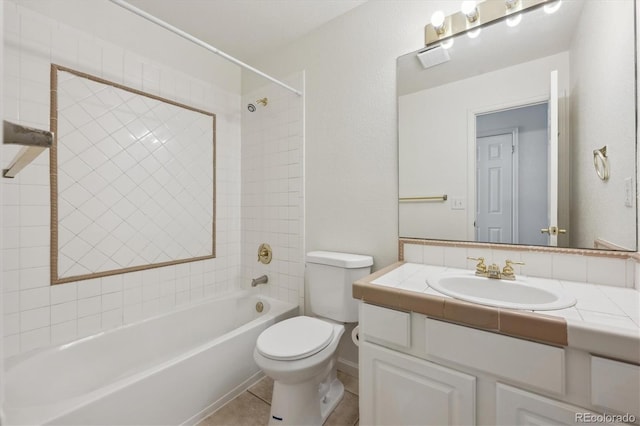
135	179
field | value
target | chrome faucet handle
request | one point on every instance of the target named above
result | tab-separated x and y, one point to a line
508	271
481	267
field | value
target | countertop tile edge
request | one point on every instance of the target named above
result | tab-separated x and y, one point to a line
597	339
609	342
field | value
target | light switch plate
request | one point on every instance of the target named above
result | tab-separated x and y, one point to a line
628	192
458	203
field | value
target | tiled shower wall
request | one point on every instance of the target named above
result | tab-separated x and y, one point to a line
36	313
273	189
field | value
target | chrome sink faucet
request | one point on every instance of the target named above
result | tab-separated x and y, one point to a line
493	270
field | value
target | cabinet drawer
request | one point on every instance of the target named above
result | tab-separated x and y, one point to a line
615	385
385	325
532	364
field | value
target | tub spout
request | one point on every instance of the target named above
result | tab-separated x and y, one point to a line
260	280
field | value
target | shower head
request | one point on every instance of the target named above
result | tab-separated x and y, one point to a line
261	101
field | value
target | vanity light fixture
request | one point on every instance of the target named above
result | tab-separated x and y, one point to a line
510	4
473	15
470	10
437	21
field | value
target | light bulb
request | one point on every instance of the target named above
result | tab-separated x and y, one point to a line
468	6
469	9
513	21
552	7
437	20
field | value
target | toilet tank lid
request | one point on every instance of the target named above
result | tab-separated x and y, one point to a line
341	260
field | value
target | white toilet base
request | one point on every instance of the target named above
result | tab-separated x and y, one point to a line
332	399
300	404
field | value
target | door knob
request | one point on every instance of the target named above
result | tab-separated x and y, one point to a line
553	230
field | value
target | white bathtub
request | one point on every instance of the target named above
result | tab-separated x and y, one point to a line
168	370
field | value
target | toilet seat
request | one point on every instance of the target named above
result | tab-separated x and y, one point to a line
295	338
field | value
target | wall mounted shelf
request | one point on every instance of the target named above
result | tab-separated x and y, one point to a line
34	141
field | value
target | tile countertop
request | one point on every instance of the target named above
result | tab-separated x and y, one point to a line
605	320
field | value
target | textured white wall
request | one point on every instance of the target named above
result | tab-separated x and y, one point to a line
36	313
351	172
601	94
351	119
350	106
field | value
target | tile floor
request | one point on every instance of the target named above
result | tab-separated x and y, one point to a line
251	408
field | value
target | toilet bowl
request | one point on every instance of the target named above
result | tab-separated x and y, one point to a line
300	353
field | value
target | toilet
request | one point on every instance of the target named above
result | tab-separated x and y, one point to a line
300	354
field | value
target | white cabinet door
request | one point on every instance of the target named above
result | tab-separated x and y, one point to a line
516	407
398	389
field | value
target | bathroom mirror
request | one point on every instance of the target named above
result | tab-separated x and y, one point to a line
499	133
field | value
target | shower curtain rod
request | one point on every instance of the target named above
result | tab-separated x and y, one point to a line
199	42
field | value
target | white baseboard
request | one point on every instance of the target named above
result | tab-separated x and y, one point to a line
348	367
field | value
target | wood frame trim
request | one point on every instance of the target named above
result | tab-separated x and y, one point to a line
542	249
53	176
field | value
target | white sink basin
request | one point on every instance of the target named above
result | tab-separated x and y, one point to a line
499	293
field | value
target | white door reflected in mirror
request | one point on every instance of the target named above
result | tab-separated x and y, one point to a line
496	188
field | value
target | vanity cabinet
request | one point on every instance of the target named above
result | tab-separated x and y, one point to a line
415	370
518	407
398	389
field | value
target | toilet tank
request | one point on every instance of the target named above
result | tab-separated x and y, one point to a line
329	279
